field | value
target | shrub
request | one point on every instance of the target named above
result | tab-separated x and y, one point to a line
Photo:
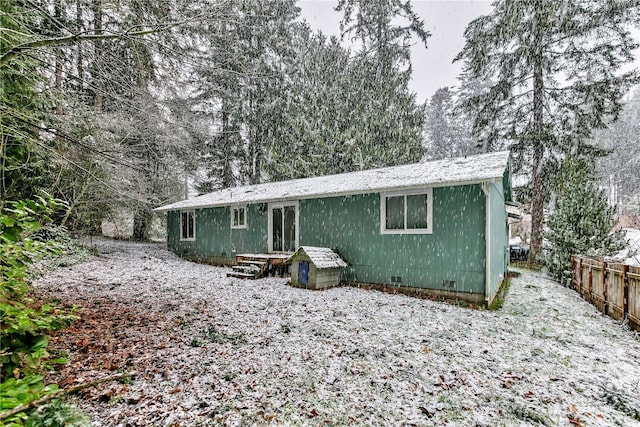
25	322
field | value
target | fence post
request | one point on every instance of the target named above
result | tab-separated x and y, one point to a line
605	303
579	287
589	282
573	271
625	291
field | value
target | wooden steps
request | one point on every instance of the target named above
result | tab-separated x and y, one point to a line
248	269
255	266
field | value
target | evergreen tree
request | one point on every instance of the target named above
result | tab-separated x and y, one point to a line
582	221
317	111
384	28
447	130
384	31
331	120
240	88
620	169
552	75
24	158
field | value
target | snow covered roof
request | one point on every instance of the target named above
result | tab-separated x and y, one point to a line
436	173
321	257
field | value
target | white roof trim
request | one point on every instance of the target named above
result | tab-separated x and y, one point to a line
439	173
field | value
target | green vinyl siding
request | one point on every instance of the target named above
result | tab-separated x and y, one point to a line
451	258
454	252
215	240
499	241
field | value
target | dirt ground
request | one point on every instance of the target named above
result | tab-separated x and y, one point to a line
213	350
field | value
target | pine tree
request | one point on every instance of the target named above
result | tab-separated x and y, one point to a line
582	221
552	75
447	131
384	31
620	168
240	87
24	158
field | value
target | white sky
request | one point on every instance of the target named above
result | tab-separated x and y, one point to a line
445	19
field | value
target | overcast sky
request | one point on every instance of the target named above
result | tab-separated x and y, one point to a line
445	19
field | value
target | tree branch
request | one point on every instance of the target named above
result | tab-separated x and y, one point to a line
75	38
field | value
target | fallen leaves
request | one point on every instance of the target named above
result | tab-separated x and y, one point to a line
271	354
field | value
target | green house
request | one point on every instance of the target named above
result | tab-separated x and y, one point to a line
438	226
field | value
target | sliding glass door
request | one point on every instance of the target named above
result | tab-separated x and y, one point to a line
283	227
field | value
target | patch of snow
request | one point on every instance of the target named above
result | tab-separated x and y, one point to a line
214	350
322	257
515	241
481	167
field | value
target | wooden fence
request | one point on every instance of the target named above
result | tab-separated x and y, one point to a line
613	288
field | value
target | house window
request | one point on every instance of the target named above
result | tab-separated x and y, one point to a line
239	217
187	225
406	213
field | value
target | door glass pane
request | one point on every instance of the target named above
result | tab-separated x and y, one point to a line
395	213
417	211
289	229
277	229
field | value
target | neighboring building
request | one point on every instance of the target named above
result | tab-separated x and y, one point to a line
440	226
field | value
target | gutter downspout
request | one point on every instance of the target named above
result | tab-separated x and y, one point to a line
487	239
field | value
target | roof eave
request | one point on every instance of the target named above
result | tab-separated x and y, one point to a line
334	194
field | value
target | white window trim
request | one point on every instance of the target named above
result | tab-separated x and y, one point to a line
188	239
270	207
383	212
235	208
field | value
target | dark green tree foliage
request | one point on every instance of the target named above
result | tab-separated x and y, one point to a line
23	157
318	107
552	76
447	129
25	324
331	119
393	120
385	29
240	88
620	170
581	222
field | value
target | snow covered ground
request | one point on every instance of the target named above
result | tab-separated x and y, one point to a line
212	350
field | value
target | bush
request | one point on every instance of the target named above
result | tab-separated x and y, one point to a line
25	322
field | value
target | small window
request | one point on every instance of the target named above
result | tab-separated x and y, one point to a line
406	213
187	225
239	217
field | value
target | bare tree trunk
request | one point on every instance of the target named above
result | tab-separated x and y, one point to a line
227	166
141	224
98	102
80	57
58	63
